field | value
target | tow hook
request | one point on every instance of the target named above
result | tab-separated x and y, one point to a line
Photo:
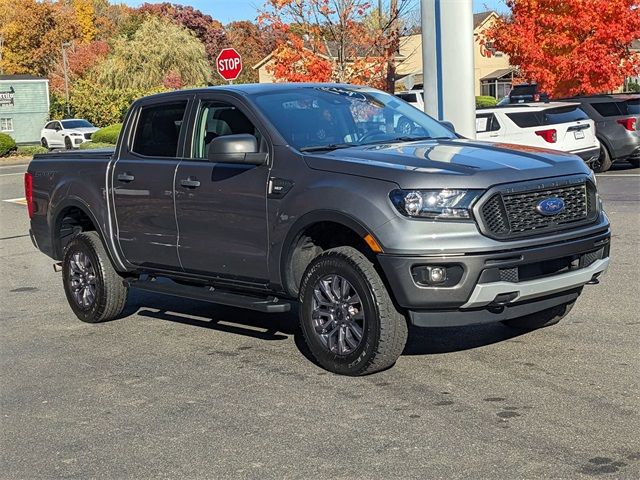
57	267
594	280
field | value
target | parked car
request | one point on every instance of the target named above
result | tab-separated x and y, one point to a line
413	97
524	93
617	119
272	196
68	134
560	126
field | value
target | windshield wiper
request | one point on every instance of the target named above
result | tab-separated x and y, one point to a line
406	139
327	148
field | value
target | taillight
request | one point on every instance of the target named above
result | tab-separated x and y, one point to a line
28	192
551	136
628	123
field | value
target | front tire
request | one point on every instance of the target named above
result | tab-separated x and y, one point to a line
67	143
347	317
542	319
44	143
93	288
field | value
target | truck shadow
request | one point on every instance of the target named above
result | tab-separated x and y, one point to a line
270	327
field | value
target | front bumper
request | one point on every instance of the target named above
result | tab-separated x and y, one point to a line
494	281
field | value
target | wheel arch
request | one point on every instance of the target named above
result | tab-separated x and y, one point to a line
330	227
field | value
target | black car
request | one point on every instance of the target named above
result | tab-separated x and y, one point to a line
617	119
524	93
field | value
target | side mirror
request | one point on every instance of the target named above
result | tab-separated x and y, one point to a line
57	128
240	148
448	125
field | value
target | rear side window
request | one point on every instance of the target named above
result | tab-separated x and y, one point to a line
408	97
608	109
526	119
554	116
633	107
550	116
158	130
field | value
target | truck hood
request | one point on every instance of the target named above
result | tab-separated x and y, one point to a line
456	163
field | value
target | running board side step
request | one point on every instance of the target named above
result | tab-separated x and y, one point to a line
269	304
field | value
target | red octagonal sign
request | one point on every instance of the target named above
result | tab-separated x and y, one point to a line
229	64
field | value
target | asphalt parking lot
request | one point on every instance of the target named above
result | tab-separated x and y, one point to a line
182	389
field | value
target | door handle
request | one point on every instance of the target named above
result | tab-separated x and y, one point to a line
126	177
190	182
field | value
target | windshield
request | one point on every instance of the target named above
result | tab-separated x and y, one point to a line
76	124
316	118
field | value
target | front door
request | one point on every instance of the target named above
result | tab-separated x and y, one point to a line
143	185
221	207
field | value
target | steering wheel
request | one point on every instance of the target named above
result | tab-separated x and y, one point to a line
373	134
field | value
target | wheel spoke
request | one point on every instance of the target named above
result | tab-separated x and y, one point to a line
337	314
356	330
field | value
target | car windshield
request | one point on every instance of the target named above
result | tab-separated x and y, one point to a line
76	124
328	117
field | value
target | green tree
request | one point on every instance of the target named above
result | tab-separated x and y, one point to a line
158	50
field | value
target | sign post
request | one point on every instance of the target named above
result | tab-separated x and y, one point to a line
229	64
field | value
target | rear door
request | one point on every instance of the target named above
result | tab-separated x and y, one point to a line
143	178
221	208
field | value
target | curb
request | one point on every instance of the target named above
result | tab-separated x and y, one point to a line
10	162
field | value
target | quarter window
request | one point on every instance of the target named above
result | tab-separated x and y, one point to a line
487	123
158	130
6	124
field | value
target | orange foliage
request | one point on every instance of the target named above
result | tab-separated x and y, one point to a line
571	47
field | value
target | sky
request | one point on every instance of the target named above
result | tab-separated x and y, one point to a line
230	10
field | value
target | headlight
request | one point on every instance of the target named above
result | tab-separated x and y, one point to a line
435	204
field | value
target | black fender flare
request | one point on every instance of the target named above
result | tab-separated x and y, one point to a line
299	226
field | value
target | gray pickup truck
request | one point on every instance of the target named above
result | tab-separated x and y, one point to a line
268	196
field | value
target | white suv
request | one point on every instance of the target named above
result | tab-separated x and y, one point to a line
556	125
413	97
67	134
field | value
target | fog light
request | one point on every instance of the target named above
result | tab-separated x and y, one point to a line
437	274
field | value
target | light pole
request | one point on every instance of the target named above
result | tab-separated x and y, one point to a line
447	62
65	67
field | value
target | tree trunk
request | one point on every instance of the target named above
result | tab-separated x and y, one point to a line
394	45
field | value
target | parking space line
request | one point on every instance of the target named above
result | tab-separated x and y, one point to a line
10	174
18	201
619	175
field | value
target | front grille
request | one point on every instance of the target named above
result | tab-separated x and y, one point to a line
507	215
87	136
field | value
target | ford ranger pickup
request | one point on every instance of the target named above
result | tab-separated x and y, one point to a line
318	196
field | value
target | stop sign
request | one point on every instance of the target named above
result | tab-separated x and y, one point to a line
229	64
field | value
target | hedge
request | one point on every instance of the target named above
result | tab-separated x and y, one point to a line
7	144
107	134
30	150
484	101
93	145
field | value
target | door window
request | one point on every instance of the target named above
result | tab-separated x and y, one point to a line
607	109
217	119
158	130
487	123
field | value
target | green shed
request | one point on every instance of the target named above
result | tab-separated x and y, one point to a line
24	106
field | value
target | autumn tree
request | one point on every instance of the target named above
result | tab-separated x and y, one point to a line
253	43
159	52
32	35
335	40
85	19
572	47
81	58
210	32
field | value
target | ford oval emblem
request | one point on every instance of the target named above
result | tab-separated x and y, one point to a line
550	206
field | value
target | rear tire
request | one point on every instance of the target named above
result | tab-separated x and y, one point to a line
542	319
603	163
94	289
341	288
